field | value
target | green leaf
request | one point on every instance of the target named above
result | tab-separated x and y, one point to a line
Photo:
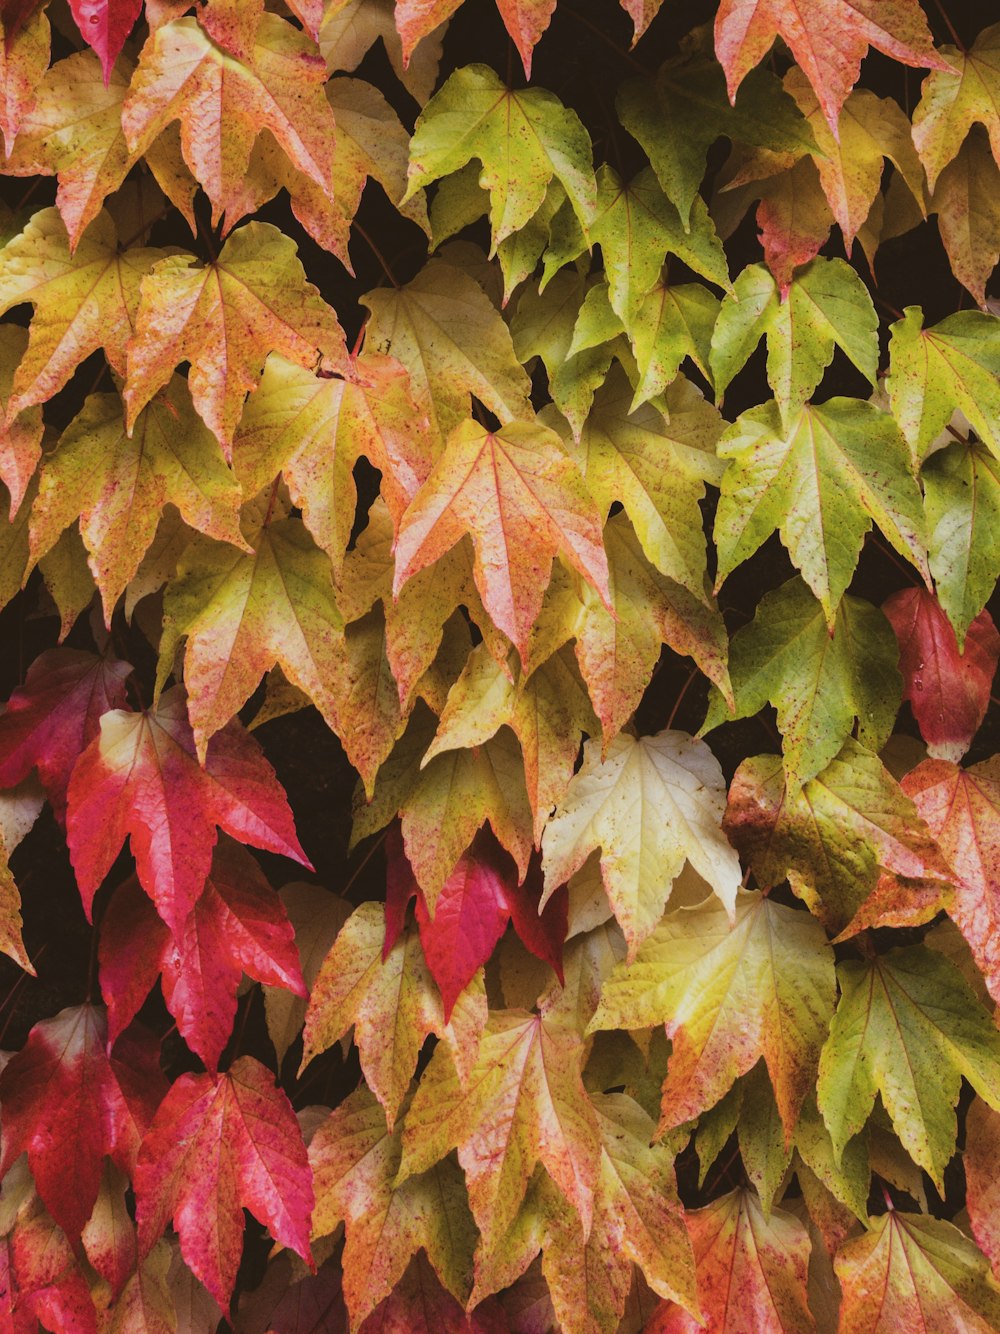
962	499
908	1028
821	480
826	306
522	139
818	682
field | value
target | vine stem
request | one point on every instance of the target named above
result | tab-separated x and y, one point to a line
12	994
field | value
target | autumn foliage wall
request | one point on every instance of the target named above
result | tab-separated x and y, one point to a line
500	506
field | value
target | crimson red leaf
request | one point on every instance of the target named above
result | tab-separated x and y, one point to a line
40	1278
220	1143
238	925
68	1102
949	691
55	715
104	25
400	887
141	779
542	933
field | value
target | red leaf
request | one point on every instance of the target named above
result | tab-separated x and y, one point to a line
238	925
15	14
55	715
949	691
68	1103
104	26
220	1143
473	908
420	1305
41	1279
140	778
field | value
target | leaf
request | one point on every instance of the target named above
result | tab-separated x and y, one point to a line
819	683
347	32
523	1103
314	429
960	807
729	994
620	804
223	105
118	484
224	318
445	330
522	500
962	498
237	926
420	1305
219	1144
355	1161
391	1003
21	436
948	690
243	614
826	306
55	715
914	1272
109	1236
833	836
522	139
68	1103
104	25
751	1270
828	41
967	201
908	1028
84	300
953	100
24	57
637	227
817	484
933	371
981	1183
140	779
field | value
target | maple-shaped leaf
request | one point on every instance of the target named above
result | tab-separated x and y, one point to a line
914	1272
618	653
637	1219
752	1271
84	299
224	318
355	1163
818	682
244	613
689	96
450	337
522	139
962	498
952	100
620	804
828	41
104	25
654	461
967	204
826	306
814	480
518	494
391	1002
21	436
218	1144
117	484
933	371
224	104
522	1103
237	926
55	715
982	1138
478	900
729	993
445	804
909	1028
637	227
68	1103
948	690
831	838
961	807
313	429
548	712
140	779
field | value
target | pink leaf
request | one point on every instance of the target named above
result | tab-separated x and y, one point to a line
104	26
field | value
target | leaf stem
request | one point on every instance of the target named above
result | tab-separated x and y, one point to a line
383	262
599	33
680	696
950	26
12	994
365	860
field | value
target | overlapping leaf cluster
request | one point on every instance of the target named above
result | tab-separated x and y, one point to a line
606	1026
